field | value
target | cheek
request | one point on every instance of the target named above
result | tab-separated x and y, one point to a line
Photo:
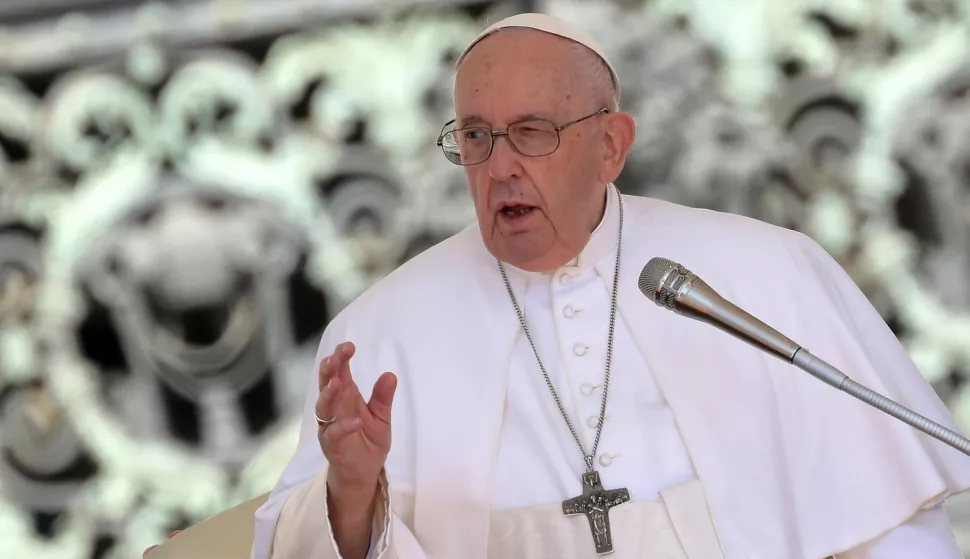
566	185
478	188
551	178
580	164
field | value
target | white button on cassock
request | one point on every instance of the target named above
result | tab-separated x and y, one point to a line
605	460
564	278
580	349
587	389
593	422
569	312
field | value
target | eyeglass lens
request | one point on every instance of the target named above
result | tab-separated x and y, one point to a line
470	146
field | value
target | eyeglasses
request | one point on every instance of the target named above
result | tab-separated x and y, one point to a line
531	138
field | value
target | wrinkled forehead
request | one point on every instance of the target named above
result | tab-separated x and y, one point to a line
514	74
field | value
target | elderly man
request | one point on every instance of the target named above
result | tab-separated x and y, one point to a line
541	407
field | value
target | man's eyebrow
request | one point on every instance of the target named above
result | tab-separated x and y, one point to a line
531	116
470	119
478	120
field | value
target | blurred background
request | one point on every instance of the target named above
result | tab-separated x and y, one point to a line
190	190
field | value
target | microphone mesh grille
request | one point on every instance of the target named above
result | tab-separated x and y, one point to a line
651	274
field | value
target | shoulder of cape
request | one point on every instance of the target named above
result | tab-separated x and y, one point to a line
711	238
445	275
772	272
671	217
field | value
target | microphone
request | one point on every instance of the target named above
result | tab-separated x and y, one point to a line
674	287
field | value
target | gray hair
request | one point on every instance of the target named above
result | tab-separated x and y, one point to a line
600	77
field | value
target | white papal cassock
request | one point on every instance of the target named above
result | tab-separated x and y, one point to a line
728	453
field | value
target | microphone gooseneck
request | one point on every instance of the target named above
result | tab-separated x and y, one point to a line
675	288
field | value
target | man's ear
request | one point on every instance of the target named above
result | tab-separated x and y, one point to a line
618	138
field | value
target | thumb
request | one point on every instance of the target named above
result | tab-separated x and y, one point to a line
383	396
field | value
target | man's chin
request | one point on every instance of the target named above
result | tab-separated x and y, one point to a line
527	257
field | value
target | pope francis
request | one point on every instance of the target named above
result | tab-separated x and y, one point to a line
541	407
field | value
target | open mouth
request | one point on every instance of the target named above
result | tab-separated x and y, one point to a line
517	210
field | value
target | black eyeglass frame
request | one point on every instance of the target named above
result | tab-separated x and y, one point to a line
505	132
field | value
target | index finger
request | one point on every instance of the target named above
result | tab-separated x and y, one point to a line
333	364
325	372
346	351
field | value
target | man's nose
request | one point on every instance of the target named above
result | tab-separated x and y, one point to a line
503	164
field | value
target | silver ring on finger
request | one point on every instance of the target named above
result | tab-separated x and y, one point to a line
324	422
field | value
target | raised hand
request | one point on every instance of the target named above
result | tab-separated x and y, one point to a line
354	434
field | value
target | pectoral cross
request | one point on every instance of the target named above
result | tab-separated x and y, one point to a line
595	503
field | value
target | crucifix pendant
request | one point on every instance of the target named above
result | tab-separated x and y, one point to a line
595	503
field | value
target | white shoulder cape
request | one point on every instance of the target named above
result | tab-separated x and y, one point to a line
792	468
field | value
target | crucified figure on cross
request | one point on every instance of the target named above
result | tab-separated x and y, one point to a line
595	503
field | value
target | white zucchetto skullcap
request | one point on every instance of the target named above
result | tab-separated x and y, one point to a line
547	24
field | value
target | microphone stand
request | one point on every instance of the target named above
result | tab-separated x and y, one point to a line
828	374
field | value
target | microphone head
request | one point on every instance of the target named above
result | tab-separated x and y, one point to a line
661	281
652	274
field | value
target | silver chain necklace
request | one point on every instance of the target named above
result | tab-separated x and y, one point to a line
595	501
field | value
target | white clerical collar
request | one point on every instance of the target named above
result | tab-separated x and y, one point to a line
602	242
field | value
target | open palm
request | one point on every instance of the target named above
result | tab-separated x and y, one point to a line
356	444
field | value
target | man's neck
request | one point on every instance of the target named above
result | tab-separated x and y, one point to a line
601	214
